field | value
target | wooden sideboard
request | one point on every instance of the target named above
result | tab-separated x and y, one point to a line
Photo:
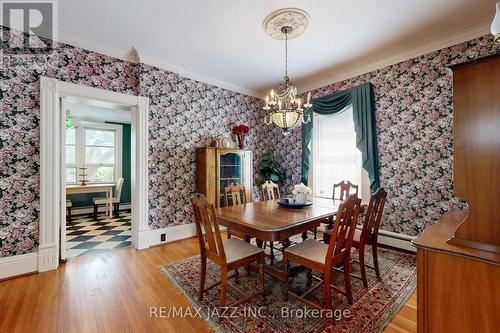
458	258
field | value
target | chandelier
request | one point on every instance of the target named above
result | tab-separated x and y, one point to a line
286	109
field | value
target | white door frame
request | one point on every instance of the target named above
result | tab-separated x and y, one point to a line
51	200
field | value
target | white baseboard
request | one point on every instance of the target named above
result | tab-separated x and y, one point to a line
48	257
18	265
173	233
399	241
90	210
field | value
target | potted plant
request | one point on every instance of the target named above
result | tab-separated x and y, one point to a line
270	169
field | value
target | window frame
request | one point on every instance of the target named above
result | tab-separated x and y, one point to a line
80	149
71	165
314	163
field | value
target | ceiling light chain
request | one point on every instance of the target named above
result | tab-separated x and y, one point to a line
286	51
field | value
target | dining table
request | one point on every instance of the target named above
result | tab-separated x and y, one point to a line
94	188
268	221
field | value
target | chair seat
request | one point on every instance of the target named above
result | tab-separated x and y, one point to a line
69	204
237	249
311	250
103	201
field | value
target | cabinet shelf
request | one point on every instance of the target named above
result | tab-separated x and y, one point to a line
217	168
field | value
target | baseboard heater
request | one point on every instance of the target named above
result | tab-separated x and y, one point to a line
396	240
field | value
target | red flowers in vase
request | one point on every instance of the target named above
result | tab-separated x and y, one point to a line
240	131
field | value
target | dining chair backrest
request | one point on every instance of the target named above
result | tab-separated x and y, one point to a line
270	191
237	194
344	187
343	230
207	228
373	216
118	189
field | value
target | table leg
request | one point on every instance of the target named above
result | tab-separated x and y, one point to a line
110	204
286	243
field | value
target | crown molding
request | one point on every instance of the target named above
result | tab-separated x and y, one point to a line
91	44
393	57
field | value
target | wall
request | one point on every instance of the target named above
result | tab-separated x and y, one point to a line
414	128
184	114
413	123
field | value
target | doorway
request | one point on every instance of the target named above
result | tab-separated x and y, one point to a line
53	94
97	174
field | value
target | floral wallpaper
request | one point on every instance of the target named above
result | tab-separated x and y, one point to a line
19	131
414	129
184	114
413	122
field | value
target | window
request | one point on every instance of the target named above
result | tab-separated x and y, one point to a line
96	147
334	153
71	166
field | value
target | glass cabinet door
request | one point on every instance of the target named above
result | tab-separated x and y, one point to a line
230	171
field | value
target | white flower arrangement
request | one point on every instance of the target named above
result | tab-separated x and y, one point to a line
301	189
301	192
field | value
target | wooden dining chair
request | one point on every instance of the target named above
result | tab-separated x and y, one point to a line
369	233
69	205
269	191
115	200
229	254
235	194
343	189
320	257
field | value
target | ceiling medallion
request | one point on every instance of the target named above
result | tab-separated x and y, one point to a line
295	18
285	109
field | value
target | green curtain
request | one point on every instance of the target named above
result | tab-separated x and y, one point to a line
363	105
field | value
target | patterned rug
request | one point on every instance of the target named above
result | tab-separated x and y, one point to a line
372	310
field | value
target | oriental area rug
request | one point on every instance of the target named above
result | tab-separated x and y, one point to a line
372	310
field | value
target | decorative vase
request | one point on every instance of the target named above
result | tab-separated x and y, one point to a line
300	198
241	140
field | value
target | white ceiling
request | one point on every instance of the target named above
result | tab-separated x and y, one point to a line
222	42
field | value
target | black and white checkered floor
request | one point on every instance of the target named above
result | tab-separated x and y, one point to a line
85	235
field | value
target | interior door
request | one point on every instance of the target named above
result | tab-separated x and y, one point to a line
62	198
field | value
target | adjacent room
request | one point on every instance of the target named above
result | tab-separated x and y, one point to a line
97	172
249	166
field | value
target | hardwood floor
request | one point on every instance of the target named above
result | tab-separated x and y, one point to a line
113	292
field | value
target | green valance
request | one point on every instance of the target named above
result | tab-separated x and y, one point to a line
363	106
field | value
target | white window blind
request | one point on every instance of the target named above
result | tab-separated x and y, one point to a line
335	156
